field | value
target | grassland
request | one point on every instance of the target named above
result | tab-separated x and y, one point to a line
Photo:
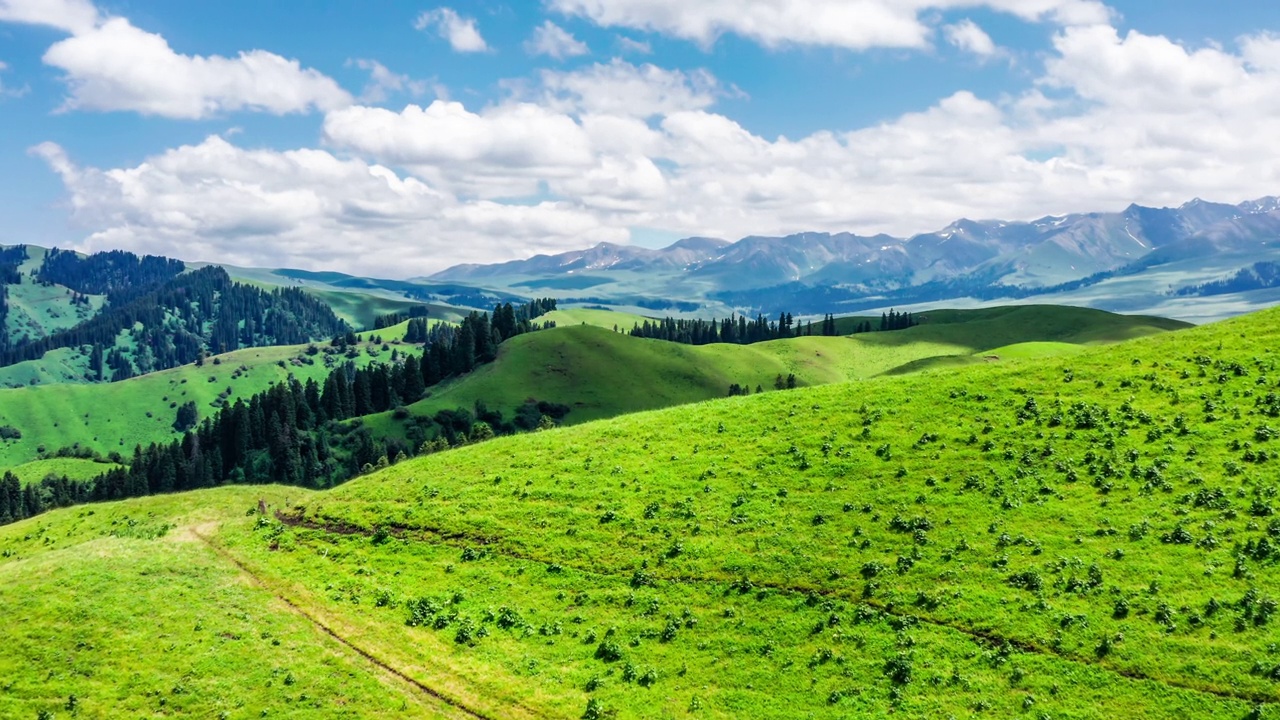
114	417
129	612
600	373
1085	536
71	468
607	319
361	309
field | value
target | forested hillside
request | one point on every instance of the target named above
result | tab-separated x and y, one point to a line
290	432
158	317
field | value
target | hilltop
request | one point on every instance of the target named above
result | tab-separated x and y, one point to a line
600	373
1087	536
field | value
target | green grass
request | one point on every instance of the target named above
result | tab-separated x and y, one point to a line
361	309
396	333
64	365
71	468
36	311
126	608
694	497
607	319
114	417
946	543
600	373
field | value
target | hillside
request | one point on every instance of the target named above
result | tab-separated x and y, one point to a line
599	373
139	579
114	417
1082	537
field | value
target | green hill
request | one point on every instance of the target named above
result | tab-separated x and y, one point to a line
1091	536
70	468
600	373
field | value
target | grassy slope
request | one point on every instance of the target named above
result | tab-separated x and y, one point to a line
641	531
696	495
126	608
73	468
361	309
606	319
114	416
600	373
396	333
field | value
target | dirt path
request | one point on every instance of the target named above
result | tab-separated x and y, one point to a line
202	534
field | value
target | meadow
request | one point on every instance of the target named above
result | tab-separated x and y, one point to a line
1084	536
600	373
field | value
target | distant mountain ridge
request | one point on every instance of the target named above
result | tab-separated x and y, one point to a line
1044	254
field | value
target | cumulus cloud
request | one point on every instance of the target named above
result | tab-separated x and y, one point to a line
578	157
967	36
853	24
73	16
554	41
116	66
383	82
503	151
461	32
620	88
303	208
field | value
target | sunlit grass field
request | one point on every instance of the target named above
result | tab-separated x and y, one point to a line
1082	536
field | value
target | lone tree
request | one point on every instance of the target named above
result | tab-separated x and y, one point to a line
187	417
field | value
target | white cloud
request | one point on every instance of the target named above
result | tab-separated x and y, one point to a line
578	157
854	24
116	66
73	16
1262	51
303	208
461	32
383	82
499	152
631	45
967	36
620	88
554	41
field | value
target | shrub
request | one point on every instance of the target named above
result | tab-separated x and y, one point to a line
898	668
609	651
1028	580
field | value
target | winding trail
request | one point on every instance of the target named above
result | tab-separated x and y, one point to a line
381	665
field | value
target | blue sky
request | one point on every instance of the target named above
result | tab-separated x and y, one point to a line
398	138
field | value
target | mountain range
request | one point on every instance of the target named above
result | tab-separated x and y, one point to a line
983	259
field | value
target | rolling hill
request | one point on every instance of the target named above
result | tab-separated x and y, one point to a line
599	373
1090	536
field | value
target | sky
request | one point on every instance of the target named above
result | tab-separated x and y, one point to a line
399	138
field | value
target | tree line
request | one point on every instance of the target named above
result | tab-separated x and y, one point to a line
392	319
743	331
734	329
